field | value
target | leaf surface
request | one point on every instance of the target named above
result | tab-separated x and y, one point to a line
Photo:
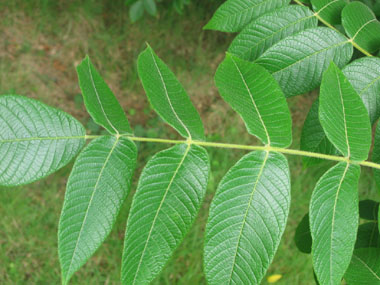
343	115
167	96
269	29
302	237
313	137
96	189
376	156
35	140
150	7
329	10
364	267
361	26
255	95
169	194
368	209
368	235
364	75
334	217
100	102
247	218
136	11
298	61
233	15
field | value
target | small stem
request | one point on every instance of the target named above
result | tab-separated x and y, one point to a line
362	50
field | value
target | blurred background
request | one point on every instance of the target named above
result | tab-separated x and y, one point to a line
41	43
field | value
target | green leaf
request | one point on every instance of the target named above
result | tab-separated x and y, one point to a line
168	97
368	235
130	2
302	237
150	7
364	75
169	194
334	217
248	88
233	15
368	210
376	155
362	26
343	115
35	140
364	267
269	29
329	10
100	102
298	61
247	219
97	187
136	11
313	137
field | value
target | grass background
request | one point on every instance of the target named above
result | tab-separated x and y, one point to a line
41	43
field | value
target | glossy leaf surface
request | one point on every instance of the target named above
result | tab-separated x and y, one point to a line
298	61
269	29
169	194
364	267
313	137
334	217
364	76
255	95
167	96
100	102
343	115
97	187
329	10
234	15
247	219
361	26
35	140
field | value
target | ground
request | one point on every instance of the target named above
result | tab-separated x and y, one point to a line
41	43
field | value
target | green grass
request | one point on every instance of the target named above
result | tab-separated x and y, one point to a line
41	44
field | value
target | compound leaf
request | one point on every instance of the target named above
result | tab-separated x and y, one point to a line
361	26
329	10
234	15
35	140
167	200
364	75
97	187
302	237
364	267
255	95
334	217
100	102
343	115
313	137
167	96
298	61
269	29
247	219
